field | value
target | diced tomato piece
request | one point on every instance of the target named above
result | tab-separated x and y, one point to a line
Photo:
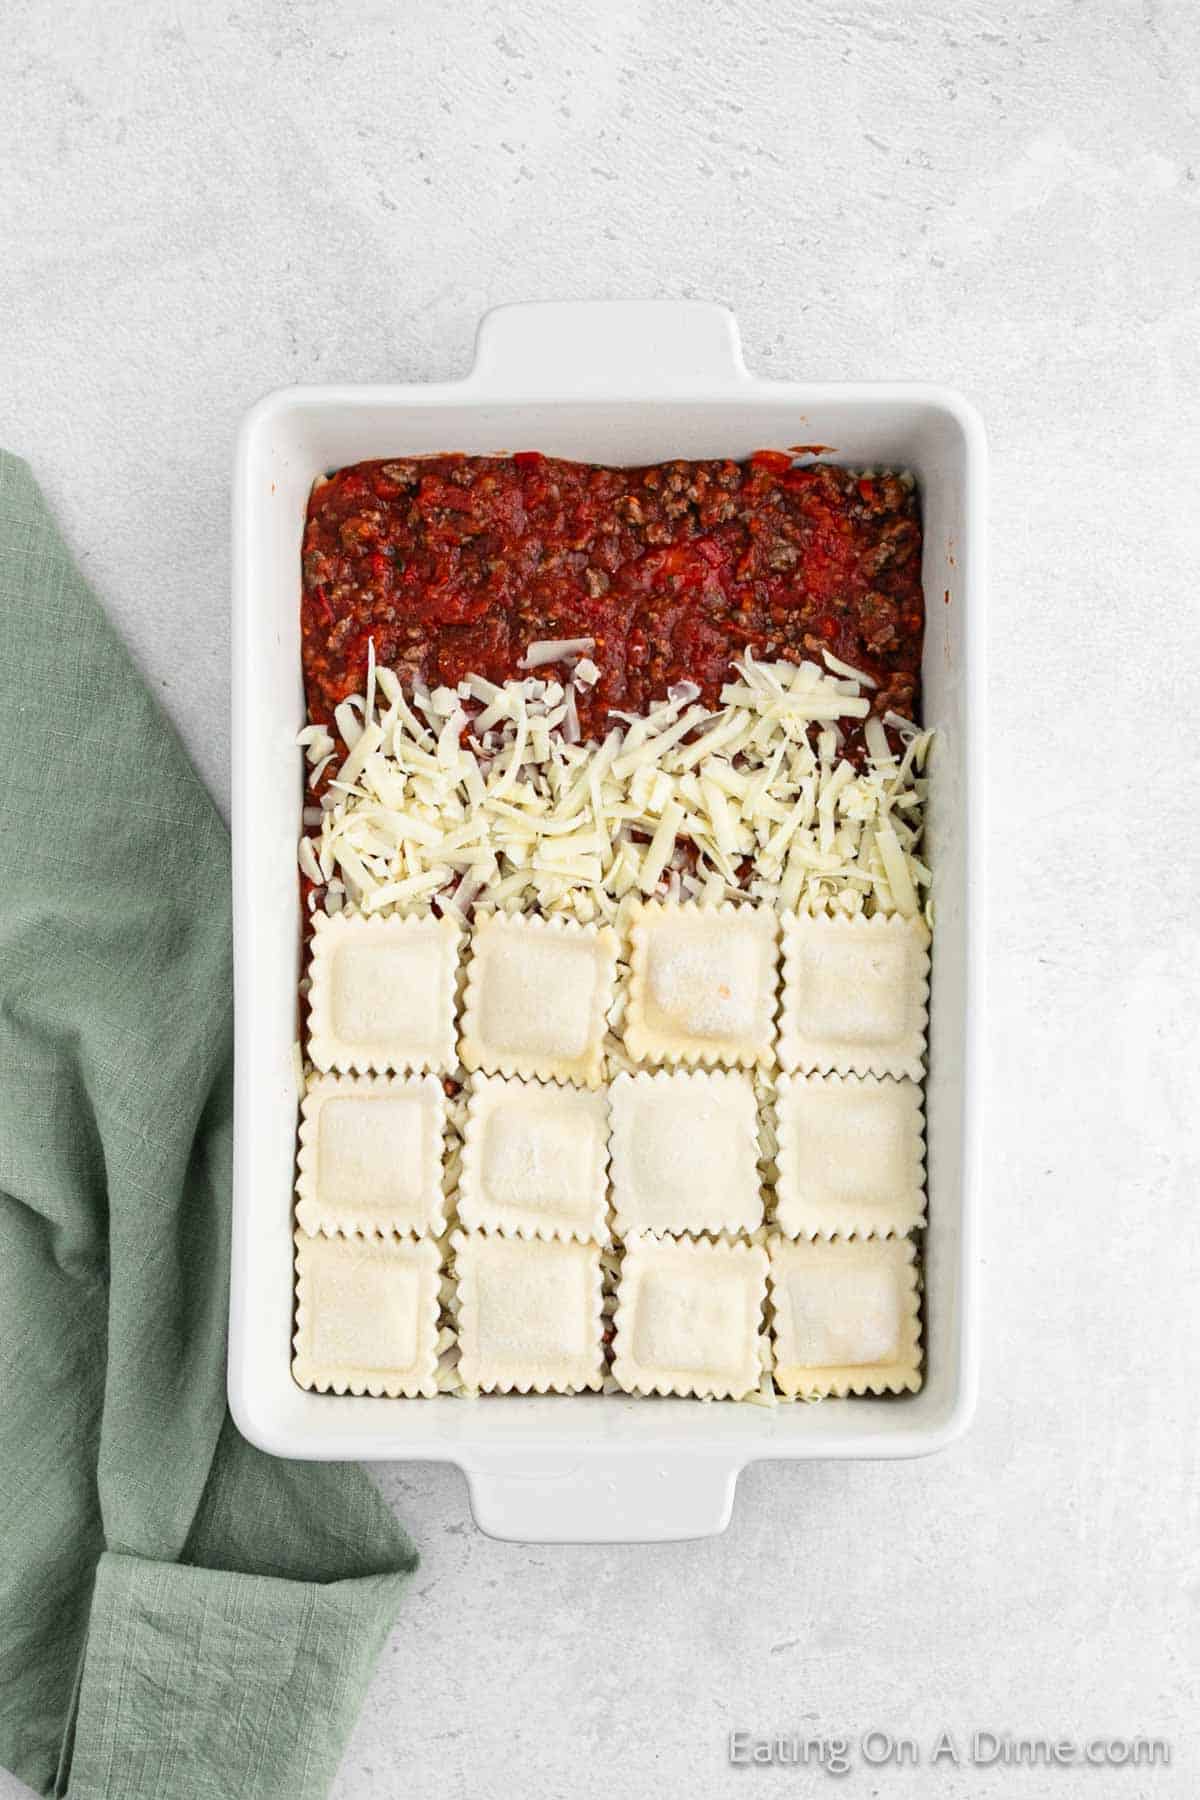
777	461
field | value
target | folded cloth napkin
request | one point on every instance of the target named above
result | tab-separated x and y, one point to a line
179	1615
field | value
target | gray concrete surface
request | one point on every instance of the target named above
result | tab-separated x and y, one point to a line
199	202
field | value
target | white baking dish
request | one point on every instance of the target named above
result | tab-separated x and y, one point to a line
620	382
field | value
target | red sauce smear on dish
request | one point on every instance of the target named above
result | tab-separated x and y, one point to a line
456	564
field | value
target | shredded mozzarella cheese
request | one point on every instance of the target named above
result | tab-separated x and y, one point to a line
551	650
503	808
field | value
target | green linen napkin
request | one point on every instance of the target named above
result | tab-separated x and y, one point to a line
179	1615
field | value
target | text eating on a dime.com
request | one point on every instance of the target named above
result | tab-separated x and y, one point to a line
877	1748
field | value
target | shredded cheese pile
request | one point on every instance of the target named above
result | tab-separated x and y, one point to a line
483	795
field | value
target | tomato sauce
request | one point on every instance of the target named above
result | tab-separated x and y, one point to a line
455	564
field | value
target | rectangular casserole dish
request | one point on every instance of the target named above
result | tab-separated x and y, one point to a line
615	382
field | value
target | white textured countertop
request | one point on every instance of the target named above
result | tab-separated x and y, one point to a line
1002	198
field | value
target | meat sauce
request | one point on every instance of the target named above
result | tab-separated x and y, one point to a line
455	564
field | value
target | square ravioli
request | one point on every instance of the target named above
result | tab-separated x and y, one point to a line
685	1152
534	1160
846	1317
851	1155
702	984
529	1315
689	1317
854	995
366	1315
371	1155
382	996
537	999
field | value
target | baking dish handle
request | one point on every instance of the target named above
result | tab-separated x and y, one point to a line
602	1500
573	349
